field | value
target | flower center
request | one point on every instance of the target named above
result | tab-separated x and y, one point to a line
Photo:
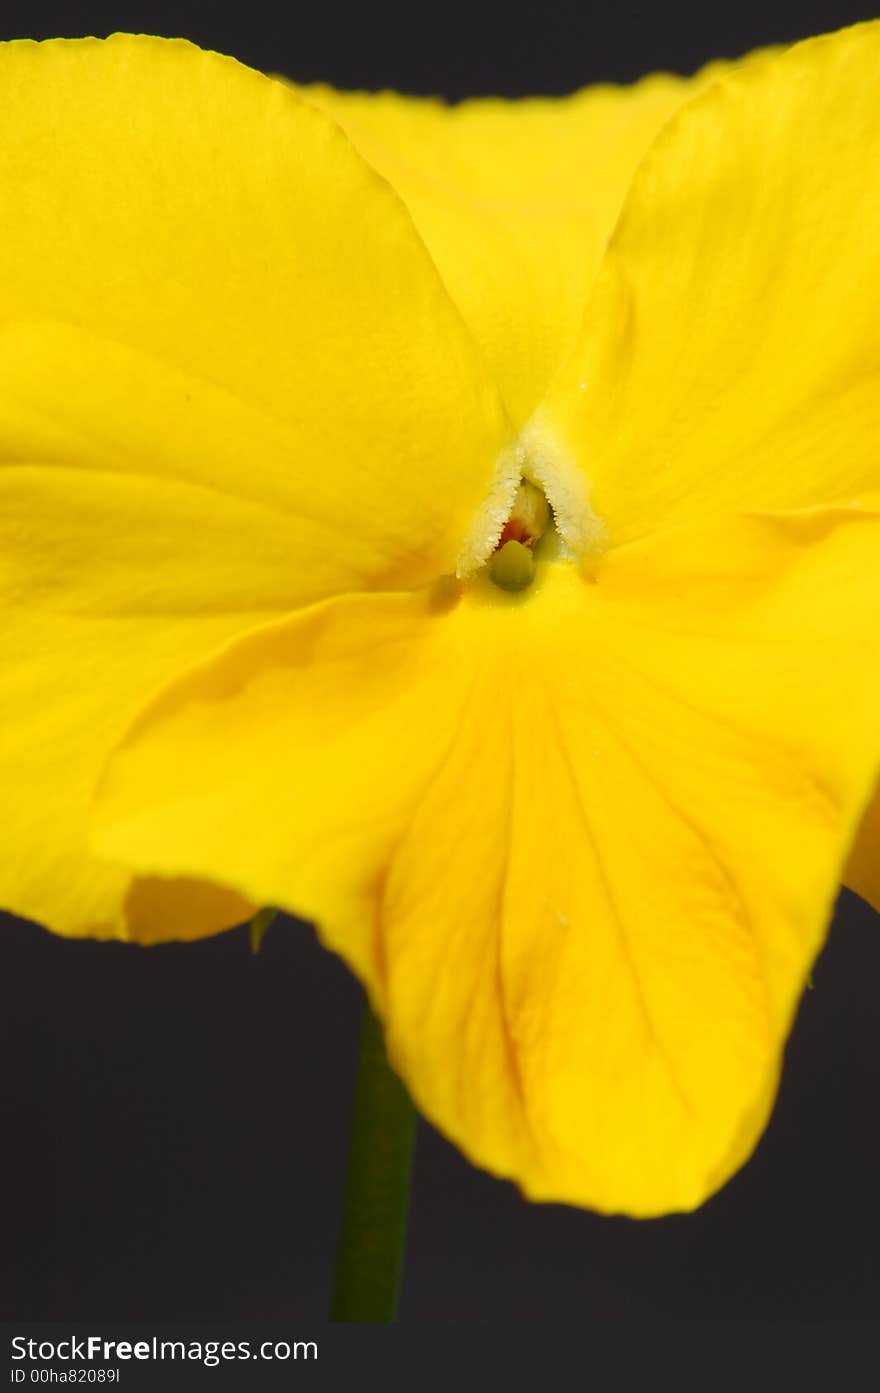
535	481
512	564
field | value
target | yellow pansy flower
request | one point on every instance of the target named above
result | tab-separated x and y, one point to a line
274	368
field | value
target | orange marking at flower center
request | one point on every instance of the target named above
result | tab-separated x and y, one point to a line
515	530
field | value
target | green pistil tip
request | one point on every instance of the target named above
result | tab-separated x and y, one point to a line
512	567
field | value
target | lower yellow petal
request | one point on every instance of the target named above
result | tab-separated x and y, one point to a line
71	684
862	872
581	844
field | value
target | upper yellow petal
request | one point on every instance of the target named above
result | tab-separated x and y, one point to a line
515	201
581	844
730	354
210	285
231	381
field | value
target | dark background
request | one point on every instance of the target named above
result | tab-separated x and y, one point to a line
176	1118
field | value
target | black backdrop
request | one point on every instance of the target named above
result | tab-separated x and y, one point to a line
176	1118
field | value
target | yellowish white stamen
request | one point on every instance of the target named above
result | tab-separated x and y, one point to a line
537	458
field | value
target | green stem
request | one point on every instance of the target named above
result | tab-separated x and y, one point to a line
369	1253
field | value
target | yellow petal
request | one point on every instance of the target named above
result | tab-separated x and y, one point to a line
515	201
230	381
70	686
212	286
862	872
580	843
730	354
